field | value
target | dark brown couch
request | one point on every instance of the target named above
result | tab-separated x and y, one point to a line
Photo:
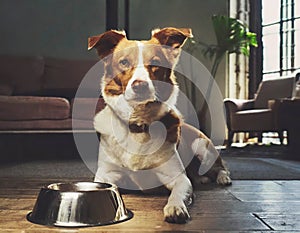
37	93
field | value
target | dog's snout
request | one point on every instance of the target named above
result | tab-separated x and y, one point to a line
140	86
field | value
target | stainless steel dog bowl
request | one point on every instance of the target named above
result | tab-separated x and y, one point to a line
79	204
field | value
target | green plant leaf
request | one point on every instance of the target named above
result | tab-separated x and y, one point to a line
232	35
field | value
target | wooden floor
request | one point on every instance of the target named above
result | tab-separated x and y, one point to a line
246	206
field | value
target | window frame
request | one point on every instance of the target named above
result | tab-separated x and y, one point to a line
286	24
257	70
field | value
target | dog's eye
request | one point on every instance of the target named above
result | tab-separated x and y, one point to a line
124	62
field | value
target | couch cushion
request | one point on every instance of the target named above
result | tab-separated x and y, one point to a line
253	120
20	108
62	77
23	74
65	124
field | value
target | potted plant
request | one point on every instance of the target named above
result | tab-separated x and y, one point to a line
232	36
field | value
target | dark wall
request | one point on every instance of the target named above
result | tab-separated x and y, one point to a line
196	14
57	28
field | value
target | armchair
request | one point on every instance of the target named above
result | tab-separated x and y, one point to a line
258	114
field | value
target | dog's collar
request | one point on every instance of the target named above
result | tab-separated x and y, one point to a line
135	128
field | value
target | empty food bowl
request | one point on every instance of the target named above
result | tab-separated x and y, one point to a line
79	204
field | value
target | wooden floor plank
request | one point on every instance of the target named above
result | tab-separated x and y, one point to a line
268	197
281	222
16	203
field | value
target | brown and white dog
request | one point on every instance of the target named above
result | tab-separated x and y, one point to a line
140	127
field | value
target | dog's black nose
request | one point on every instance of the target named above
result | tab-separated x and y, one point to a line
139	86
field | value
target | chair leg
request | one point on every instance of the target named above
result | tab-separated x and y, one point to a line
259	137
280	135
230	138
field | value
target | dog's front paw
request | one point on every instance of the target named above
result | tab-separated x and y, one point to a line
176	213
223	178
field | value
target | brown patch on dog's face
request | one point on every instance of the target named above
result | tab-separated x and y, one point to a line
159	68
119	67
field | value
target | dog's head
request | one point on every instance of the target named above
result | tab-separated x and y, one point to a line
139	71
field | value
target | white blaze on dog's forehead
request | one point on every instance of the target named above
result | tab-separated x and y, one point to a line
140	72
141	59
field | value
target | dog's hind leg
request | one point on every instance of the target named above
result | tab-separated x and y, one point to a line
207	165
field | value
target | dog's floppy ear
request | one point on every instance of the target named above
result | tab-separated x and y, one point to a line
173	37
106	42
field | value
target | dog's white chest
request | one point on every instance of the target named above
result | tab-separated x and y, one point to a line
134	157
135	151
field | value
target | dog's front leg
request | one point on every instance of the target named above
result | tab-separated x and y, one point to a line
174	178
181	196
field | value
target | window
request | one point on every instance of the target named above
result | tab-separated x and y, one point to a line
280	37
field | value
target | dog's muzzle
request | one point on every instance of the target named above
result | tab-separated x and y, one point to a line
141	90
